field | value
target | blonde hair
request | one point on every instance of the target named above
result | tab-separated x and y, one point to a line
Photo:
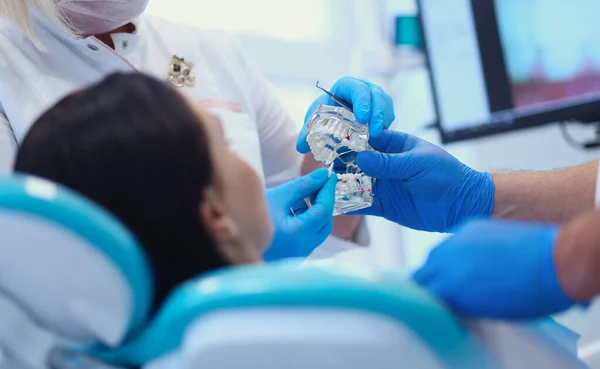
18	12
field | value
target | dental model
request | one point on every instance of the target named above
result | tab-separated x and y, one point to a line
335	137
333	132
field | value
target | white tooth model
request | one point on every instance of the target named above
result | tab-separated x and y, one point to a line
335	137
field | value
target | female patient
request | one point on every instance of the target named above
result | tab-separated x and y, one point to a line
137	147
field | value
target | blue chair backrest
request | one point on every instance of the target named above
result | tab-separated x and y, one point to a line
30	206
284	285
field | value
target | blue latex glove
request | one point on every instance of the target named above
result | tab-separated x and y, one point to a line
299	235
421	186
371	105
497	269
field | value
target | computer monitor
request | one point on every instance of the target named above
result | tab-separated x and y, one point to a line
502	65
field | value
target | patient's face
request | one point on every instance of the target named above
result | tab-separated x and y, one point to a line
239	187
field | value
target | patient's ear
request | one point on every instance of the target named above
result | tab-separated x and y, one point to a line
218	223
222	228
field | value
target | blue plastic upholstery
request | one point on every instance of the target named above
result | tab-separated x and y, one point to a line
285	284
73	212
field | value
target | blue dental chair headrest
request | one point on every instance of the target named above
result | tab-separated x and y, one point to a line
275	315
69	266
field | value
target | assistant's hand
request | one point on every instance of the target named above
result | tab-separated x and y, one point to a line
371	105
298	236
497	269
421	186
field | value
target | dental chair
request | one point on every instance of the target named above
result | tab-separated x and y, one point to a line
75	292
71	277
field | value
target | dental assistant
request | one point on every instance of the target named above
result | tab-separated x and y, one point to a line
539	256
43	60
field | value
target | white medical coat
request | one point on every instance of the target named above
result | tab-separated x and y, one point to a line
32	80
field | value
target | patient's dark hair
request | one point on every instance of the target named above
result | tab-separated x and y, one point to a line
133	145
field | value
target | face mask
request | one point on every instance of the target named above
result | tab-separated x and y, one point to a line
101	16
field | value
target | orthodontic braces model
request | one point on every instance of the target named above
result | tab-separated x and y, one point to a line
334	138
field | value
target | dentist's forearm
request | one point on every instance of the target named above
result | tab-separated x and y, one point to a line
556	196
577	257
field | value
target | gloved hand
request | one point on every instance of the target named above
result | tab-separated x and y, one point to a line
497	269
371	105
298	235
421	186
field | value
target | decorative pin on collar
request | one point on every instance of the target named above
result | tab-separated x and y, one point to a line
180	73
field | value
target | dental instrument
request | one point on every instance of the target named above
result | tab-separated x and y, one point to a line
335	98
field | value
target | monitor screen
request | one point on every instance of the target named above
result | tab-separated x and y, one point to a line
501	65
